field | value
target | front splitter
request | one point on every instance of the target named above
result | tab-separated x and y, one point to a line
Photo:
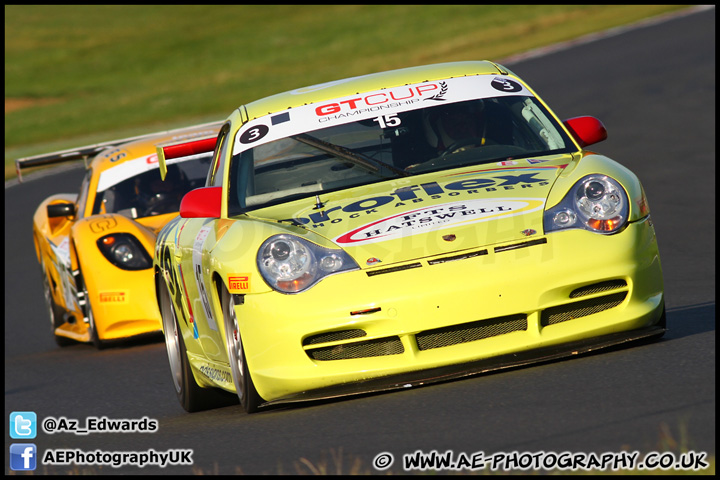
452	372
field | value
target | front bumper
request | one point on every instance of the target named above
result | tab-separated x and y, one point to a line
450	316
124	304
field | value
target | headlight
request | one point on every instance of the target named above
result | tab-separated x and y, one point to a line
596	203
290	264
124	251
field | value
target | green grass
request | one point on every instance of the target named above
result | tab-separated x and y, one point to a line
82	74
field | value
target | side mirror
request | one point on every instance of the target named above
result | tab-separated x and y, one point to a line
60	210
586	130
202	202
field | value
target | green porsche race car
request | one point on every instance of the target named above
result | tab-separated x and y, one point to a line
398	229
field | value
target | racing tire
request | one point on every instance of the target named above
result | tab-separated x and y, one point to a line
191	396
55	311
88	311
244	386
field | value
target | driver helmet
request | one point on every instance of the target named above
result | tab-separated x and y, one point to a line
445	125
162	196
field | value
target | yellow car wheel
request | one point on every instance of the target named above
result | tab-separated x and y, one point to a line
55	312
249	398
90	317
192	397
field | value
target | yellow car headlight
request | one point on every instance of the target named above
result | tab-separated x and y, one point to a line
291	264
124	251
596	203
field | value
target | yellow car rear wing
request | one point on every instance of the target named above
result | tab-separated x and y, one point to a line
87	152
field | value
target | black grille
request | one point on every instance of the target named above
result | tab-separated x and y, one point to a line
371	273
458	257
370	348
333	336
515	246
580	309
597	288
469	332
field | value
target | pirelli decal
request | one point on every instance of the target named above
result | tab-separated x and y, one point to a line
113	297
239	283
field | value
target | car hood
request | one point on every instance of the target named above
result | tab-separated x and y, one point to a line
430	214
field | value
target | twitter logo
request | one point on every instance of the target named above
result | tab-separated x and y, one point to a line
23	425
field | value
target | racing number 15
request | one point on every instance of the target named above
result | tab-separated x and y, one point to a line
390	120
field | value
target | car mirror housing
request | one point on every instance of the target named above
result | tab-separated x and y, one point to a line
586	130
202	202
60	210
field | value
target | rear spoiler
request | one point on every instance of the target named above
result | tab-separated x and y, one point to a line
89	151
185	149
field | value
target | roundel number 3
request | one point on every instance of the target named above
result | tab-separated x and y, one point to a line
254	134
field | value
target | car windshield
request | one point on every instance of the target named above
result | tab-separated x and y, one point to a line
145	194
440	136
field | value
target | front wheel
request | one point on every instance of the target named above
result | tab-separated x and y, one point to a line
55	312
89	319
249	398
192	397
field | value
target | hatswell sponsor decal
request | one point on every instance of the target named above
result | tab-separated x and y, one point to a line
439	217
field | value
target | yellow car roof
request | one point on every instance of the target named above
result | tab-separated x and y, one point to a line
374	81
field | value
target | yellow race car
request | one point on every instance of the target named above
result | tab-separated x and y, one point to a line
398	229
95	247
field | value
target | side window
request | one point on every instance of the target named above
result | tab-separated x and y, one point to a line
215	178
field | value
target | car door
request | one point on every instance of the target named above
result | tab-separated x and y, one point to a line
196	238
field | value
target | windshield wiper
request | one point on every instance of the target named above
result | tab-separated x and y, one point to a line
346	154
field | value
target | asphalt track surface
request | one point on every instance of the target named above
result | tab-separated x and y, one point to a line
654	88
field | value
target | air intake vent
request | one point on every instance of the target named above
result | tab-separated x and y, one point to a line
458	257
580	309
370	348
515	246
333	336
469	332
393	269
597	288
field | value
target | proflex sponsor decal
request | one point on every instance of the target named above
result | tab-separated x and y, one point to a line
467	202
438	217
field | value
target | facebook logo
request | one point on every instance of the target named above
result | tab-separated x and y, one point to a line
23	456
23	425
